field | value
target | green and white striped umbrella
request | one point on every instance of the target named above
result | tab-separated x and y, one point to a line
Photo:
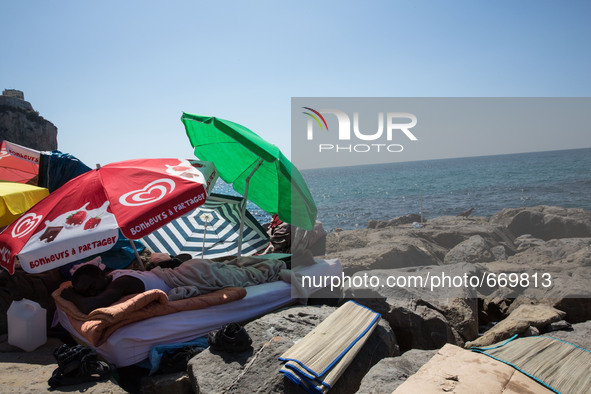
210	231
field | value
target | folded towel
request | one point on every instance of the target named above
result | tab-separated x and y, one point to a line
97	326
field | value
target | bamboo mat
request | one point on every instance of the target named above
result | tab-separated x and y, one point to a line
318	360
558	365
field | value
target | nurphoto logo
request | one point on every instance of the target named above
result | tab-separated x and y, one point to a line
390	127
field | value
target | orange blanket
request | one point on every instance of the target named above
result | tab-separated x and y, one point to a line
98	325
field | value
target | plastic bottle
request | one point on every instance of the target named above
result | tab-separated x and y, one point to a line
26	325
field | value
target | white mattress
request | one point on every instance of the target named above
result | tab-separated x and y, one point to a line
132	343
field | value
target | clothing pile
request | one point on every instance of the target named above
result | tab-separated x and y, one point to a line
78	364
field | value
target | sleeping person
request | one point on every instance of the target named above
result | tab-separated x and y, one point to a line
93	288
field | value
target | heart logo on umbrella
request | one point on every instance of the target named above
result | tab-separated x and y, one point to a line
26	224
85	216
151	193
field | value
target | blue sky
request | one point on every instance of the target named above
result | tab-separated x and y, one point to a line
115	76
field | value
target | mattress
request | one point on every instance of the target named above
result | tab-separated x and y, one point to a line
132	343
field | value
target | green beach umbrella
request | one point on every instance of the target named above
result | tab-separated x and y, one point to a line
254	167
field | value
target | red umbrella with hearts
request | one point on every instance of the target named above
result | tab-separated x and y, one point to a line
82	218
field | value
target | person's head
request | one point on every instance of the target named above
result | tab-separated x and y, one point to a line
89	280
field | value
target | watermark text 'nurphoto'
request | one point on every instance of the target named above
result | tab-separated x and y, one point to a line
395	122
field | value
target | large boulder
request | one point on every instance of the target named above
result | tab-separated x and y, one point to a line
577	310
403	245
545	222
473	250
426	307
456	370
257	370
556	254
449	231
555	273
538	316
391	372
417	324
390	247
526	241
579	334
406	252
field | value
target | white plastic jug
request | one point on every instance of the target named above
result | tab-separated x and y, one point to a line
26	325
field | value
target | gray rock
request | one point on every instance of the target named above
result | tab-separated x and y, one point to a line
518	322
472	250
385	245
416	324
577	309
25	127
462	315
257	370
545	222
531	332
493	310
556	273
390	247
405	253
391	372
557	326
580	335
526	241
421	317
499	252
449	231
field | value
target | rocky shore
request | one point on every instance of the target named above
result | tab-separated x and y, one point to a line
523	271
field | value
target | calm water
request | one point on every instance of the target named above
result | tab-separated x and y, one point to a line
348	197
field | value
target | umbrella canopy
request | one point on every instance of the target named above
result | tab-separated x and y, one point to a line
210	231
57	168
82	218
16	199
18	164
275	185
49	169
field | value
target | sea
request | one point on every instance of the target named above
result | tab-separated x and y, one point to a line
349	197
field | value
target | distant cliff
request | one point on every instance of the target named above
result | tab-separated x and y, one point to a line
21	124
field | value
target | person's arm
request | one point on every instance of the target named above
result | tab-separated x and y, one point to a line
117	289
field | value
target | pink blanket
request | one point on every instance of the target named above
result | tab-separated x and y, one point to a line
99	324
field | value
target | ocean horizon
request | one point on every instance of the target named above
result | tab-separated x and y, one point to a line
349	197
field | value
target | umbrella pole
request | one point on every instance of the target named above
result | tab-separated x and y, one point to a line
203	247
137	255
243	211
